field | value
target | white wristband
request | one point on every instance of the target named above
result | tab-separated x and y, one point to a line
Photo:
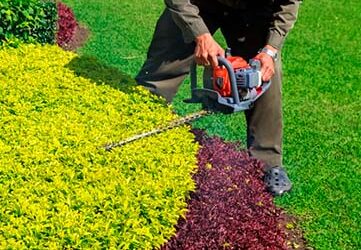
269	52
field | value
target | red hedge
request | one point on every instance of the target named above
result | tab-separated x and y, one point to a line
66	25
230	208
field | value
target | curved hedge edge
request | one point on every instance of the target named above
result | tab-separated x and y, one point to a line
230	208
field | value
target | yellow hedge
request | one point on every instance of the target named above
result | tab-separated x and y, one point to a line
58	188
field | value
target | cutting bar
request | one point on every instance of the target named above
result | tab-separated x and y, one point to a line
176	123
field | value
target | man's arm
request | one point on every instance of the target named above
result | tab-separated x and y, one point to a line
285	15
186	16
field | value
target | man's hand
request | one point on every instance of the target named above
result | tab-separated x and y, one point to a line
267	64
207	50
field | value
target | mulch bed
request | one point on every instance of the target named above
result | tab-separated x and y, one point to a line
230	208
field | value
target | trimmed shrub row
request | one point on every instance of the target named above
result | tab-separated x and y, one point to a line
36	21
230	208
67	25
28	21
58	188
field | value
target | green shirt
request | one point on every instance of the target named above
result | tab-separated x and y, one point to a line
186	16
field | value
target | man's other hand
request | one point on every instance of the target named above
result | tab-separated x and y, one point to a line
267	64
207	50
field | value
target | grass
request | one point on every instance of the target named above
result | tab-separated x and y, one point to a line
321	93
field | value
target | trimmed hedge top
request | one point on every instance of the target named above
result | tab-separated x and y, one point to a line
58	188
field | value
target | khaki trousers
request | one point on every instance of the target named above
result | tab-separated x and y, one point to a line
169	58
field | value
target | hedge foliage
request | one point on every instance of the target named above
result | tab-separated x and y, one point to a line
231	208
58	187
67	25
28	21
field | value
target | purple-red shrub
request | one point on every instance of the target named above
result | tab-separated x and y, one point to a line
230	208
66	24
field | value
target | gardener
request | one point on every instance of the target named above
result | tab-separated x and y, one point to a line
252	28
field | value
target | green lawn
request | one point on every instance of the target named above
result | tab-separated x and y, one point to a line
322	89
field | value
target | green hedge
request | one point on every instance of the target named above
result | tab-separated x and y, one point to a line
28	21
58	187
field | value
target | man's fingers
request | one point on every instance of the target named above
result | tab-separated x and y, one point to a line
267	66
214	61
200	57
196	51
201	61
263	70
221	52
207	50
265	77
205	58
268	74
267	69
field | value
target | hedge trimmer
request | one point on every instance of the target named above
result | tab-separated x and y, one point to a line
233	86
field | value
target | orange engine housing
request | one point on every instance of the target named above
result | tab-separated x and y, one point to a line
221	80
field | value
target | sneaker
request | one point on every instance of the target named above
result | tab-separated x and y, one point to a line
277	181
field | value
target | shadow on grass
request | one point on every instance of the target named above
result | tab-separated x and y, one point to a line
91	68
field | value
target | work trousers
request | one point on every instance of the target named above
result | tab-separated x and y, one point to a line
169	59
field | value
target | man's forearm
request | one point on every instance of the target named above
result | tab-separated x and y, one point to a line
186	16
285	15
